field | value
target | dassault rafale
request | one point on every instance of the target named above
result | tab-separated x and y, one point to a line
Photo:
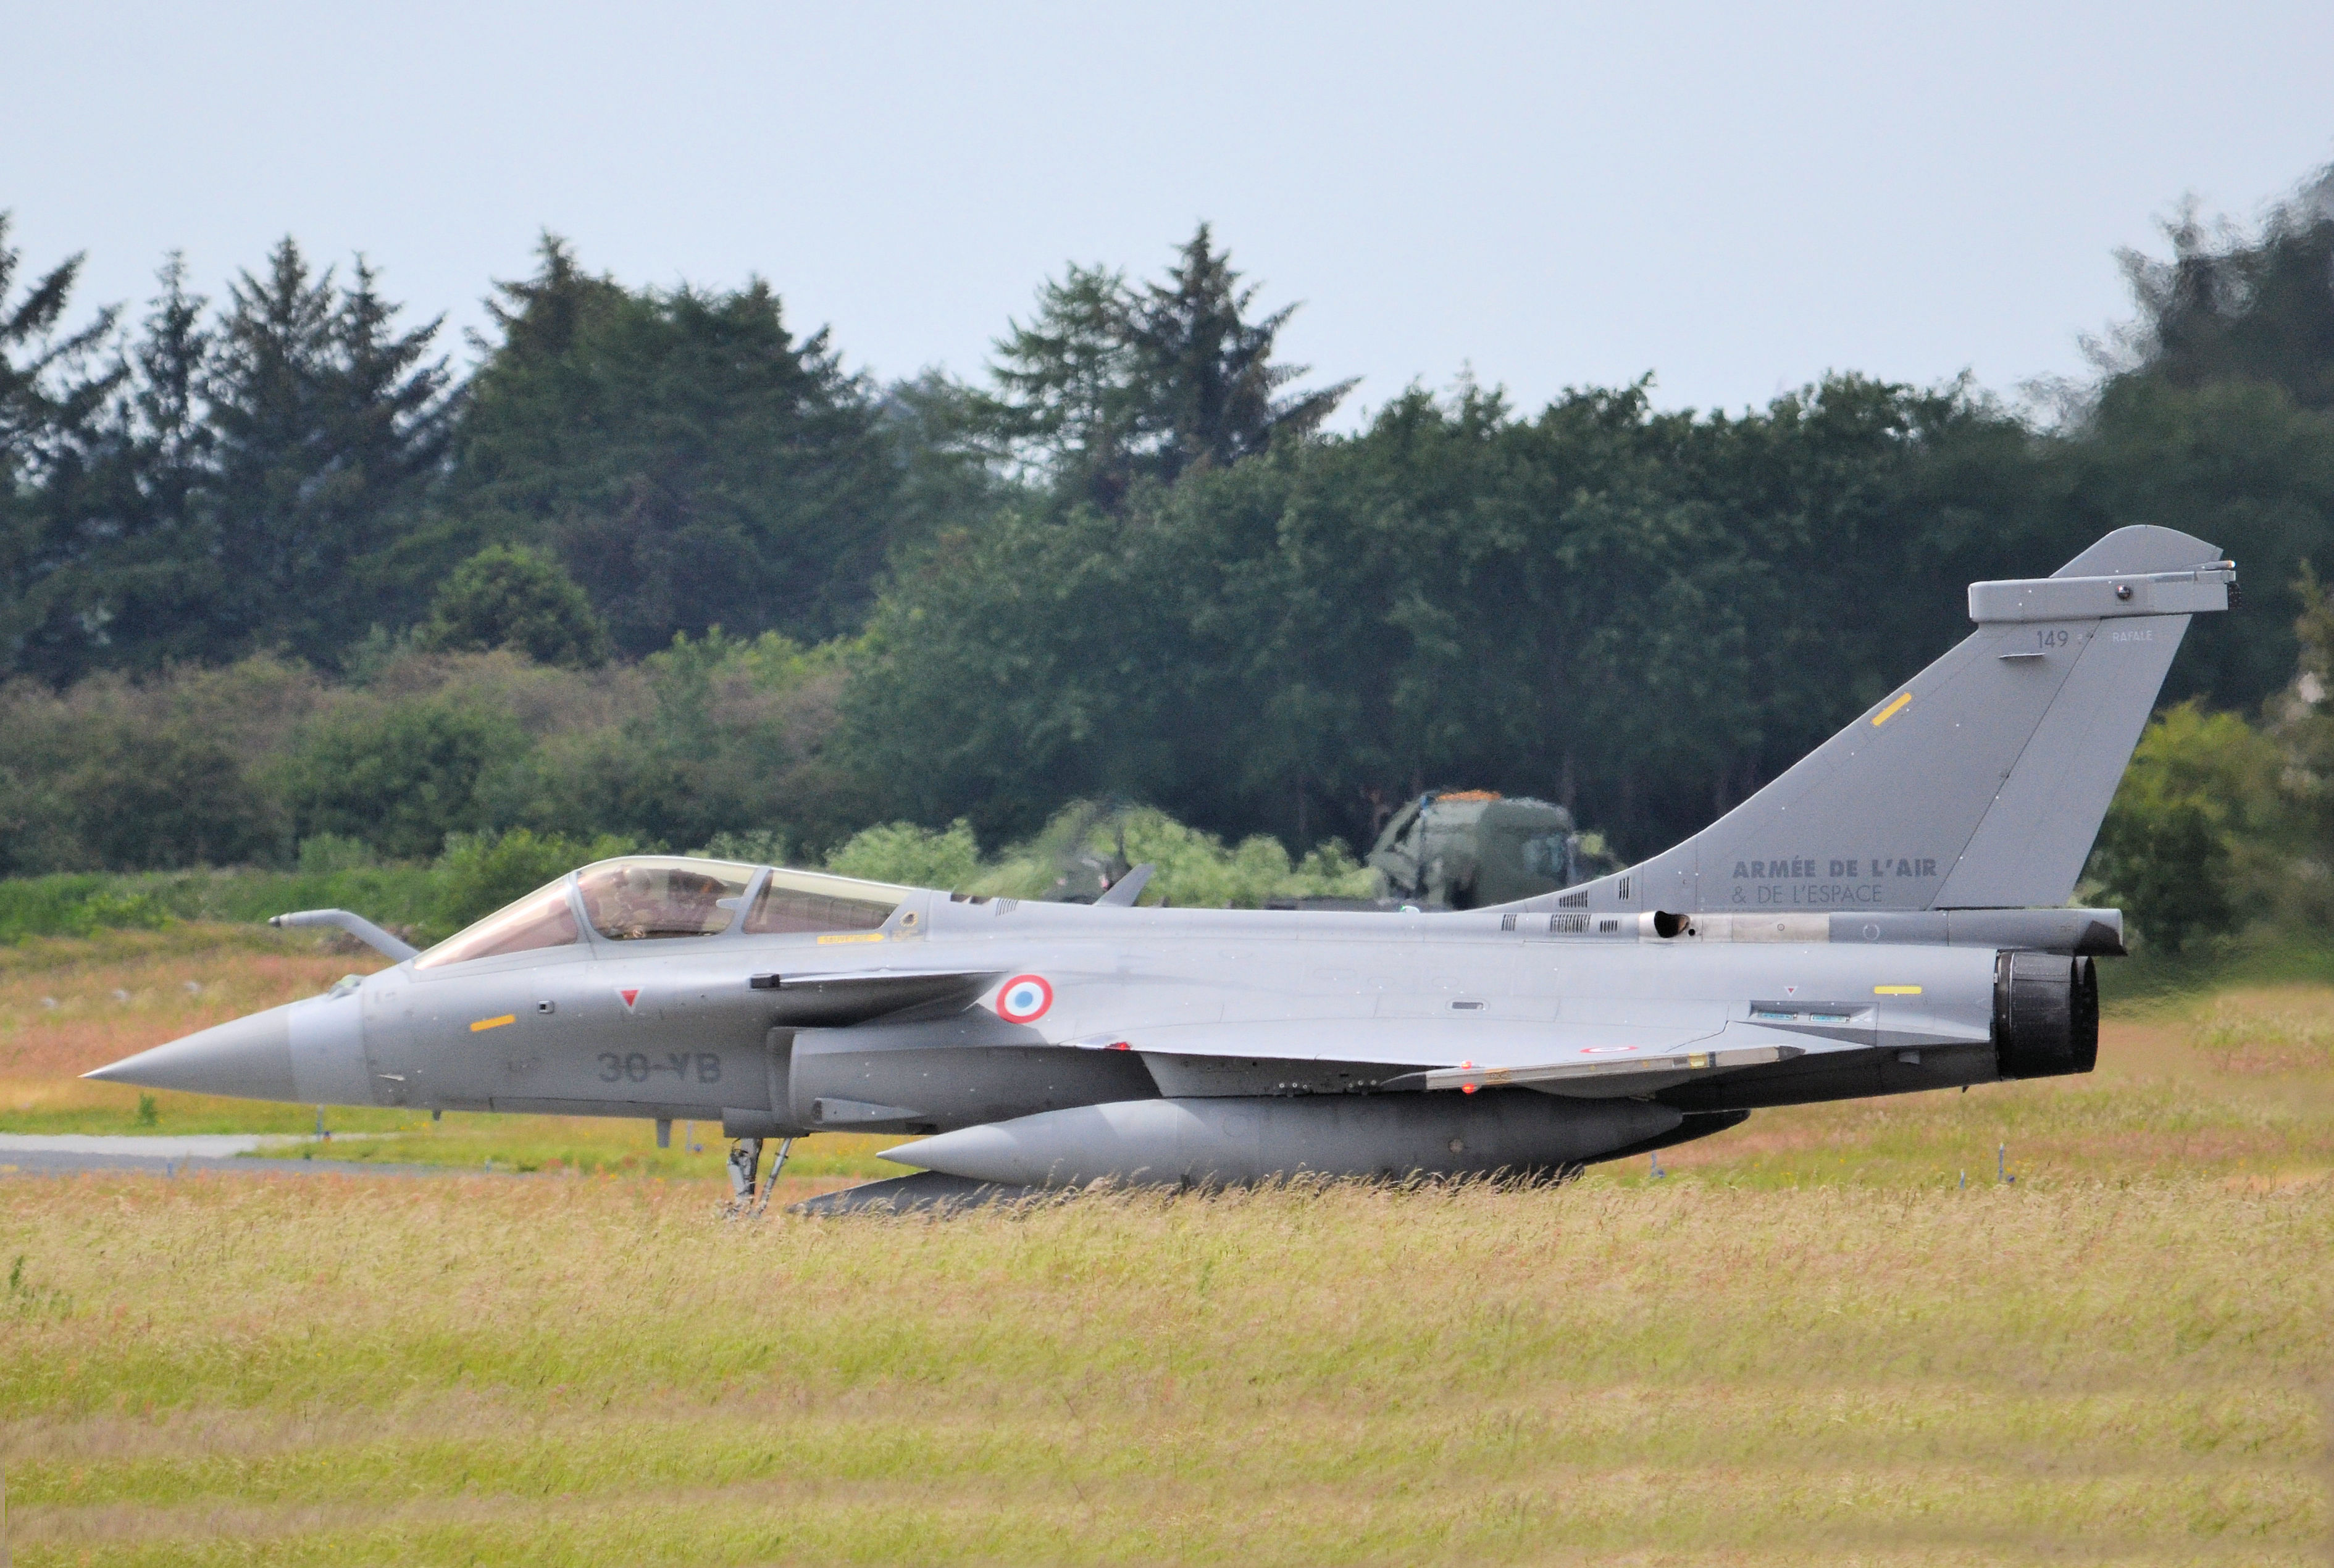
1887	916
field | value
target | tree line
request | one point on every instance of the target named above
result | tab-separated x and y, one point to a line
661	566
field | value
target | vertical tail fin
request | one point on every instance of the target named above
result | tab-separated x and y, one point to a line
1979	782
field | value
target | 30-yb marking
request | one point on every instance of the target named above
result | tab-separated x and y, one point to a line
638	1066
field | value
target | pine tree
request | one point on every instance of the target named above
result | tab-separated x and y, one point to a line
1070	402
689	461
2229	306
1212	389
46	394
51	393
1107	384
329	424
543	317
140	591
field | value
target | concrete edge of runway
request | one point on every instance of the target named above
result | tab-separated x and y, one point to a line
18	1162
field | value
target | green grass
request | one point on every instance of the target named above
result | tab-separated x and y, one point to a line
82	904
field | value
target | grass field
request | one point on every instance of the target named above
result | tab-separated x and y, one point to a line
1808	1343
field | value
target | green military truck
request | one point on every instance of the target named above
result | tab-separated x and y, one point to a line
1465	849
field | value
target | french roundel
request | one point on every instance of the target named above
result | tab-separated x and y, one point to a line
1024	999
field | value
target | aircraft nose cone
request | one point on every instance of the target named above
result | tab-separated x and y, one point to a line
250	1058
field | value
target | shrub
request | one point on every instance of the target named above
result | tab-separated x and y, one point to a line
326	854
400	778
1196	868
144	799
481	873
36	826
72	906
2190	843
755	847
1193	868
507	596
904	853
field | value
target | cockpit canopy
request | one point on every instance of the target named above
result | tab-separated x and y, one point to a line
649	897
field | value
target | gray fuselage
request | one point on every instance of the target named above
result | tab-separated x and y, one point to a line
1194	1003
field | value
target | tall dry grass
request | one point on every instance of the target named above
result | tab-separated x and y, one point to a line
601	1371
68	1004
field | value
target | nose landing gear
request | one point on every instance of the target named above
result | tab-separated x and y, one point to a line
745	1157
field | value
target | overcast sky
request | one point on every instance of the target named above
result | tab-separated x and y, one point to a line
1735	197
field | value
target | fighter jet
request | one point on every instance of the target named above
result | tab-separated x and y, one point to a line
1886	917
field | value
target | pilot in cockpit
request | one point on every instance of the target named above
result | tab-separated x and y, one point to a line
627	902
